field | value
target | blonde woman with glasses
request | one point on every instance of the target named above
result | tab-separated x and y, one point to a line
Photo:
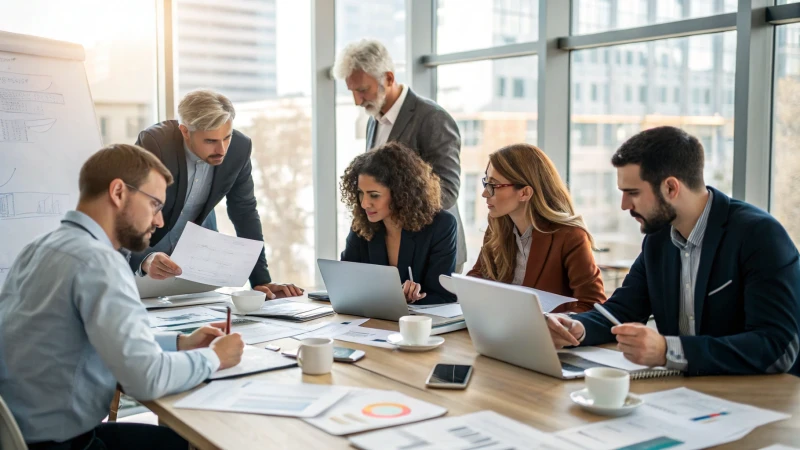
535	238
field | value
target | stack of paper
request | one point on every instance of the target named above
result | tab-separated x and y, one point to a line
172	317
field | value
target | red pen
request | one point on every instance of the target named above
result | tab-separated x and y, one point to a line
228	321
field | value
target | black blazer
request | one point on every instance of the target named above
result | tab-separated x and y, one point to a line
232	179
746	299
430	252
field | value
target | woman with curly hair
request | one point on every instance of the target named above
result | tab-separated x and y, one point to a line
534	237
394	197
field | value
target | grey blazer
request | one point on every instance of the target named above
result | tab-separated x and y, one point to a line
427	128
232	179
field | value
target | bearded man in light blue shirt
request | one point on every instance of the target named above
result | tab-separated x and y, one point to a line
72	325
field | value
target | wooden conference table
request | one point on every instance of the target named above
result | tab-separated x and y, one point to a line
528	397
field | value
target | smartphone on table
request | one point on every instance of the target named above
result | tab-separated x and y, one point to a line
449	376
340	354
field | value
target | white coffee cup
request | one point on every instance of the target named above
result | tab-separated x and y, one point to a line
607	386
248	301
415	329
315	356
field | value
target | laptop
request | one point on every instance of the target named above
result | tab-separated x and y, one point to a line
374	291
506	322
149	288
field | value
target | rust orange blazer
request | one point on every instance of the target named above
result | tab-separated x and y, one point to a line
560	262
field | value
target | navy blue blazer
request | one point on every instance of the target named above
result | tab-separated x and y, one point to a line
746	301
430	252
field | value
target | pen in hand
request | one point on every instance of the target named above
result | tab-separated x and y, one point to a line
607	314
228	321
410	275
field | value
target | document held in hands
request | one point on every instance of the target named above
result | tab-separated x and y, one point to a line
213	258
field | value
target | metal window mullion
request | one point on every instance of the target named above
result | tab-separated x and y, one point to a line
165	51
554	84
752	134
323	114
420	34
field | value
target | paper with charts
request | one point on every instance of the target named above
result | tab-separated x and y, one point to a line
213	258
263	397
370	409
675	419
196	315
486	430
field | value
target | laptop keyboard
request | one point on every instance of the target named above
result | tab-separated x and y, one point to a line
573	363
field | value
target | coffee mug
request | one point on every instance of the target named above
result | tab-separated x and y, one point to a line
415	329
607	386
315	356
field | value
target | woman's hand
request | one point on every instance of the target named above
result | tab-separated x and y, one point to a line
412	291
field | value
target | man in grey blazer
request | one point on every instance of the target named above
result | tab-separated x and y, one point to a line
208	160
398	114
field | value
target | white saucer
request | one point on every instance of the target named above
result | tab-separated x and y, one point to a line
397	340
585	401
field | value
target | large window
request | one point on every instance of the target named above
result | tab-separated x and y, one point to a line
785	203
511	21
593	16
488	119
113	34
256	53
385	21
686	82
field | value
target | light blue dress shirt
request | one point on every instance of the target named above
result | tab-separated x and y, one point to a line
72	326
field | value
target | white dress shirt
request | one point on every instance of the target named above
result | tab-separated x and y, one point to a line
387	121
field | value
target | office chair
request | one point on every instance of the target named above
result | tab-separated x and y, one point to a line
10	436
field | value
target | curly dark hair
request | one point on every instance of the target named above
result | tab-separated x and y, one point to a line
414	188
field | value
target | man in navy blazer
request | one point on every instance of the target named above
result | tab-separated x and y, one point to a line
720	276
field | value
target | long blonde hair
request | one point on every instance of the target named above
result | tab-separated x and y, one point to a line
526	165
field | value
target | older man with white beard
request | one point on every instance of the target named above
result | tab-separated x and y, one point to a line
399	114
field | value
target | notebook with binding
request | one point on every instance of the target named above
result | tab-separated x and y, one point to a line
582	358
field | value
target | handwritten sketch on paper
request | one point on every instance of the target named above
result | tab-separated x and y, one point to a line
48	129
22	205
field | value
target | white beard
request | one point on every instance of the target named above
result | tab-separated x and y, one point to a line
373	108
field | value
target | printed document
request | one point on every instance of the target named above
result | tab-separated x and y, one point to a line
486	430
213	258
170	317
255	360
370	409
247	395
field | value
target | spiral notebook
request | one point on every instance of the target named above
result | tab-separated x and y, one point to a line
582	358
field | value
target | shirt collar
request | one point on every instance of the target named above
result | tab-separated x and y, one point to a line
190	156
699	230
87	223
524	235
391	116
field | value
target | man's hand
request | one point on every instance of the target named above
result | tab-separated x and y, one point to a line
641	344
275	290
229	350
564	331
159	267
412	292
201	337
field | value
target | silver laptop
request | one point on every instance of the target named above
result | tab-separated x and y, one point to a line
506	322
372	290
149	288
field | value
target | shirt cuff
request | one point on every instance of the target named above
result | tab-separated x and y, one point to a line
139	271
210	356
675	357
168	340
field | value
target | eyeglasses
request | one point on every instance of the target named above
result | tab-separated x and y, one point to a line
159	204
490	187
